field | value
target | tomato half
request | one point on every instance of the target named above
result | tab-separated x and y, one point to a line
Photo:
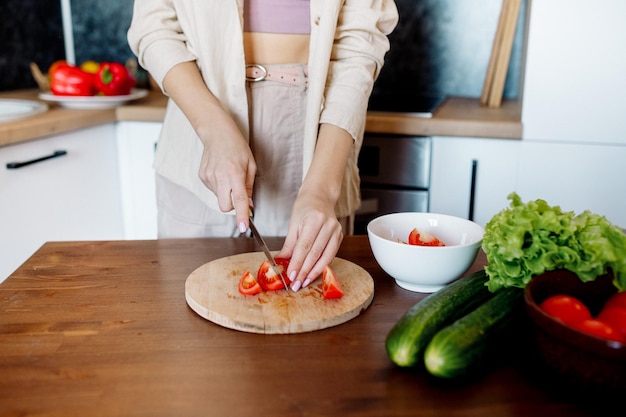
283	264
617	300
268	279
330	284
614	316
421	238
565	308
600	329
248	285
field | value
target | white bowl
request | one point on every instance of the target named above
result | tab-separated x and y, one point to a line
424	269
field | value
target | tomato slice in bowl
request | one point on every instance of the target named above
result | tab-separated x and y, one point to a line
330	284
248	285
421	238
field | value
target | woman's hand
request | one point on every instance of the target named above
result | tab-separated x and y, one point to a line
315	234
313	238
227	166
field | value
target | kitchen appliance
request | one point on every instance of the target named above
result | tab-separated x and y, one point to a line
395	176
415	105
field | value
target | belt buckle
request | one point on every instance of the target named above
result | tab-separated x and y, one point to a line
260	68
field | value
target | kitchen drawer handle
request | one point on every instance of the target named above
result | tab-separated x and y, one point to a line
15	165
472	200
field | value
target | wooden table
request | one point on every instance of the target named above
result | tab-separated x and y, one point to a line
103	329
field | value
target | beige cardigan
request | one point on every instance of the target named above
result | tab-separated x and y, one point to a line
164	33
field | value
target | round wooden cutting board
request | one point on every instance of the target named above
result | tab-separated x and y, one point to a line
211	291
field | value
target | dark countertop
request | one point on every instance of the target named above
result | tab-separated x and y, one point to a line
103	328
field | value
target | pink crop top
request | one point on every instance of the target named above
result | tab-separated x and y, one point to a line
277	16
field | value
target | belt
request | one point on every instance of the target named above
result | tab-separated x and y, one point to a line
291	76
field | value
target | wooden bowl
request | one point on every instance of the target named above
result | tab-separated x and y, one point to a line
578	359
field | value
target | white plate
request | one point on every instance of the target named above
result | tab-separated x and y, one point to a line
93	102
14	109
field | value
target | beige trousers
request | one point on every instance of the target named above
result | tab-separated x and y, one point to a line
276	126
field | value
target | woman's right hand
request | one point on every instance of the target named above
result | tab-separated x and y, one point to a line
227	165
228	169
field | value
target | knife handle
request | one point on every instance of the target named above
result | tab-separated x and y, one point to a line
232	201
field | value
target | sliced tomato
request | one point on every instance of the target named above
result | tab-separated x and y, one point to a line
270	280
248	285
600	329
565	308
283	264
421	238
330	284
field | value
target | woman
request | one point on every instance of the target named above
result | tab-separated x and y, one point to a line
267	110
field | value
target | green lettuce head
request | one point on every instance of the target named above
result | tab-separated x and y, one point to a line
528	239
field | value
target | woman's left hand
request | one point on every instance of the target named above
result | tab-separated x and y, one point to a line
313	239
315	234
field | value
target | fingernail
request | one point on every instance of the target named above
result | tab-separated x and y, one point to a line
306	283
292	276
295	286
242	227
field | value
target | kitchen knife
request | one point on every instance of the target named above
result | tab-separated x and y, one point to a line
266	251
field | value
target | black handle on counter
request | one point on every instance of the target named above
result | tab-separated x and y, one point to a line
15	165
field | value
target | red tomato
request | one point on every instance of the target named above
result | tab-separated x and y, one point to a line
330	285
421	238
617	300
283	264
601	329
268	279
565	308
614	316
248	285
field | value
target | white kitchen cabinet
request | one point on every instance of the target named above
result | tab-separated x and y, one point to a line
462	166
136	143
575	73
576	177
71	197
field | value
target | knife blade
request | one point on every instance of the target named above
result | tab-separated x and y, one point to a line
266	251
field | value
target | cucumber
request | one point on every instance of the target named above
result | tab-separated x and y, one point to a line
464	345
407	339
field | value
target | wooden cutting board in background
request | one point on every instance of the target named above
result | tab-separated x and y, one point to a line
211	291
499	60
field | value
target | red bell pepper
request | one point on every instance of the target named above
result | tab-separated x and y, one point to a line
69	80
113	79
